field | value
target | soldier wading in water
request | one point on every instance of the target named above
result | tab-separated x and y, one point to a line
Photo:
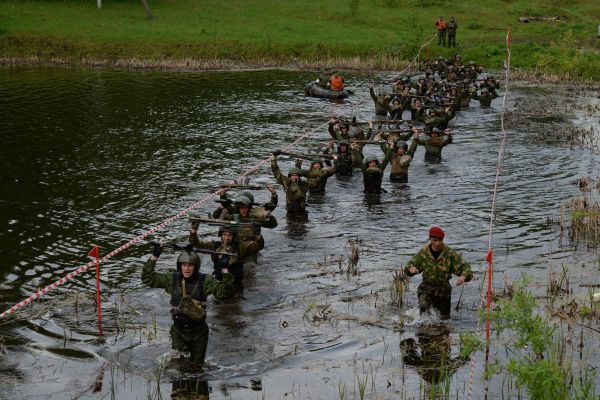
438	263
189	290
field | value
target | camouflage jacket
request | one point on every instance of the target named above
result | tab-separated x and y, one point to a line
400	168
318	177
295	193
381	102
437	273
434	145
165	280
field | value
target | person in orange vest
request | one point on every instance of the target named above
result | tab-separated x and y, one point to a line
336	82
441	28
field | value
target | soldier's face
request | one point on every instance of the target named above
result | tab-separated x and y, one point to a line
372	164
227	237
316	166
401	151
295	177
187	270
243	210
436	244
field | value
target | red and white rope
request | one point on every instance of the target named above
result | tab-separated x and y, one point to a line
141	237
489	273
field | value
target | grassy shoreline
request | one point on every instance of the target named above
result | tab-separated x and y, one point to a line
350	35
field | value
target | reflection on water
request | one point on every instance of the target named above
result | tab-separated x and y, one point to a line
94	156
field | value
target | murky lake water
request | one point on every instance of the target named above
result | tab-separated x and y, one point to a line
99	157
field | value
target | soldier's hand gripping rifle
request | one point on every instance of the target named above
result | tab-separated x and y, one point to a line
189	247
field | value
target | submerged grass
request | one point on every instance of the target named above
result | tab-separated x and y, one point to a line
351	35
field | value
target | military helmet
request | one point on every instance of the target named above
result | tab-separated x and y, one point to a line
344	125
402	144
371	158
248	194
484	90
188	257
440	58
343	142
450	67
228	228
294	171
471	62
436	130
313	162
242	200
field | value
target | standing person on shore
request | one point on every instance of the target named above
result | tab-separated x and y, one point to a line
452	27
438	263
441	26
189	290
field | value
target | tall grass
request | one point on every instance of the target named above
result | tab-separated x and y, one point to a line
379	34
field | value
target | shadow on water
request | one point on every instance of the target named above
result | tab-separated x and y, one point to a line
94	156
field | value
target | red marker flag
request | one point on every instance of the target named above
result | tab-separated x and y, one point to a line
94	253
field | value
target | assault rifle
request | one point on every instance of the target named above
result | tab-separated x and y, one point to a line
217	222
306	156
189	247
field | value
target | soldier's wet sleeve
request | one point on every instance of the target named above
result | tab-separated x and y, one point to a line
218	213
413	147
461	267
277	172
221	289
357	158
274	200
154	279
384	147
386	161
334	133
413	262
204	244
251	247
372	93
269	223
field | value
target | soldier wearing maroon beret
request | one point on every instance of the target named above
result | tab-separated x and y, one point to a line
437	262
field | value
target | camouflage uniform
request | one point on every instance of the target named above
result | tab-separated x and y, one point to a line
317	178
346	162
435	290
381	102
434	145
187	334
372	176
295	192
399	170
452	27
245	250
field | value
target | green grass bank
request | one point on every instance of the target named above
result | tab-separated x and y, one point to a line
346	34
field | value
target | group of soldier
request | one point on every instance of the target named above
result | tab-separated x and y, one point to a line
432	100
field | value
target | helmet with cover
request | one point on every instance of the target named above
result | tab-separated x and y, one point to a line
242	201
188	257
248	194
294	171
400	144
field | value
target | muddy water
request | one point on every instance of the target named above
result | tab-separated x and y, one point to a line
100	157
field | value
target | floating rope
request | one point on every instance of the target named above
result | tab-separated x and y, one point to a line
489	256
141	237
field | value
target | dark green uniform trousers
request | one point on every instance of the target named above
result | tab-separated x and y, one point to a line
192	338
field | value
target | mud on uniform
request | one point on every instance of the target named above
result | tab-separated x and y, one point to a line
187	334
435	290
